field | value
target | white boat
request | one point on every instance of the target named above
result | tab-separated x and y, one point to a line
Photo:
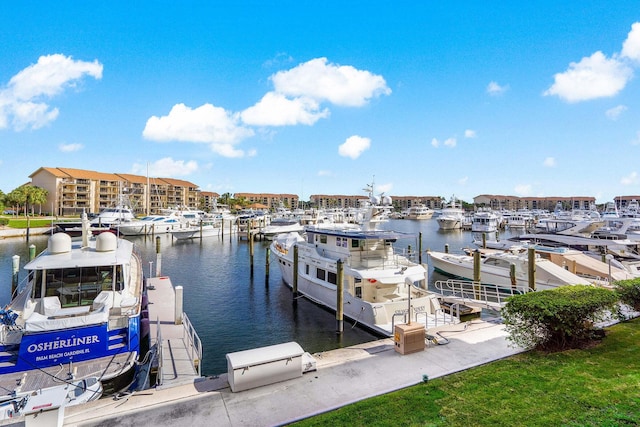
485	221
495	269
280	226
206	229
71	393
419	212
161	224
451	216
111	216
78	310
382	287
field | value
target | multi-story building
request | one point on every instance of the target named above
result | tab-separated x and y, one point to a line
498	202
272	201
72	191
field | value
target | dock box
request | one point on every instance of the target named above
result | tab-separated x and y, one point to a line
265	365
409	338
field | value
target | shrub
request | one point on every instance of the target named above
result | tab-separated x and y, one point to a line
629	292
558	319
4	221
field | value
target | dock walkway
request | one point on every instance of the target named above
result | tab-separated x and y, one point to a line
177	350
342	376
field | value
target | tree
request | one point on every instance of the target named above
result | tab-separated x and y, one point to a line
16	198
35	196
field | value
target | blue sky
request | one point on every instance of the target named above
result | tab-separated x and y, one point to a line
425	98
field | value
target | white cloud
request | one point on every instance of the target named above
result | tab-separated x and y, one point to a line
67	148
549	162
21	100
593	77
631	46
325	173
630	179
523	189
449	142
205	124
340	85
463	180
470	133
494	89
354	146
384	188
615	112
636	141
274	109
166	167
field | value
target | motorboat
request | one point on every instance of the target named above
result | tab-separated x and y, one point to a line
485	221
505	269
451	216
69	393
78	311
204	229
280	225
419	212
382	285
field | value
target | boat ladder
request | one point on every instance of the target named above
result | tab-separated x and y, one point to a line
475	294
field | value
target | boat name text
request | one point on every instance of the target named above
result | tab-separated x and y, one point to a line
70	342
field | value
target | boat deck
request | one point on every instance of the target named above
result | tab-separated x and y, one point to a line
108	366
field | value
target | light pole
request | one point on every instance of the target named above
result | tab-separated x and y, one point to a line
609	257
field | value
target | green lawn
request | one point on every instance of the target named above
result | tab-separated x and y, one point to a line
33	223
599	386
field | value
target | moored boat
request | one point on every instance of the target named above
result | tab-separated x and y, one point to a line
78	312
381	285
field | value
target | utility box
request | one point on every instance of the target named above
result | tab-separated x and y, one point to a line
266	365
409	338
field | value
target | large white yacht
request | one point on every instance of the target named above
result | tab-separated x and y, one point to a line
383	287
451	216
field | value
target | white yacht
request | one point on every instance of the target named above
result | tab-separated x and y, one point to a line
495	269
485	221
419	212
383	287
451	216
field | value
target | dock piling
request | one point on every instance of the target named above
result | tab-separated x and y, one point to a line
340	298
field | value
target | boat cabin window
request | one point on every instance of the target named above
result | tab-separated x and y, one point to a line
323	238
320	273
77	285
355	243
332	277
359	292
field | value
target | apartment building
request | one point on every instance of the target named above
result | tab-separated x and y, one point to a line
498	202
272	201
72	191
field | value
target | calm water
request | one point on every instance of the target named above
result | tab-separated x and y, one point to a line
233	309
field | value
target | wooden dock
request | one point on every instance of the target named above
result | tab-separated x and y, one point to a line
180	350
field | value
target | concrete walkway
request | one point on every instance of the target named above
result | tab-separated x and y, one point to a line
343	376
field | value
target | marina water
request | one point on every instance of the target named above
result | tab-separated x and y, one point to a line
234	307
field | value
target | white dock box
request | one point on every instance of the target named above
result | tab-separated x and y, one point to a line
266	365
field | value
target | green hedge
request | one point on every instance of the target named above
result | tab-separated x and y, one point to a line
629	292
560	318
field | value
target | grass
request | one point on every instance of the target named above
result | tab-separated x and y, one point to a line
598	386
33	223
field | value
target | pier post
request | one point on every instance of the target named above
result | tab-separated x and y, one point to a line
267	262
15	260
484	240
250	240
158	257
420	248
512	275
476	274
446	248
294	285
32	252
532	268
28	226
178	307
340	298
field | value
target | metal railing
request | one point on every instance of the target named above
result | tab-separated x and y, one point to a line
492	296
194	343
